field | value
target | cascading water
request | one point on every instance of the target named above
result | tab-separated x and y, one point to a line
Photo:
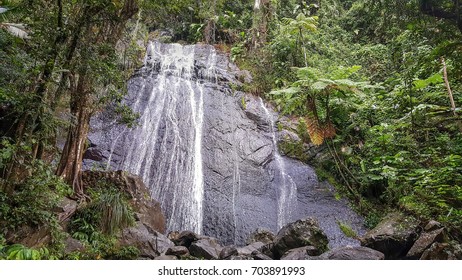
165	150
286	187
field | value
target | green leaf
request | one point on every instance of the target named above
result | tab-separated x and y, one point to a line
320	85
419	84
435	79
375	177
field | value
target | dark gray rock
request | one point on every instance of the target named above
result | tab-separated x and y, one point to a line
432	225
393	236
208	249
304	232
93	154
150	243
302	253
241	258
256	255
249	249
177	251
268	250
185	238
352	253
261	235
425	240
73	245
65	209
227	252
443	251
166	258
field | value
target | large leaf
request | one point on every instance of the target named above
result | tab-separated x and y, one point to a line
320	85
291	90
16	29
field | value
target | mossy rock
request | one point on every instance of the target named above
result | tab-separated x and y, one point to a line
393	236
301	233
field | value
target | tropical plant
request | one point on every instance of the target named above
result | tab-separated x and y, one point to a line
21	252
16	29
310	90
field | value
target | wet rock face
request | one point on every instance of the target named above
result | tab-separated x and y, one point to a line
222	180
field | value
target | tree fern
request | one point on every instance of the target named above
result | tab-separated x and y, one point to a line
312	89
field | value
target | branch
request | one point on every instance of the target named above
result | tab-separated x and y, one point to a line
451	97
448	87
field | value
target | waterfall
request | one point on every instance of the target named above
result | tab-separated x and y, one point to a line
166	149
208	152
286	187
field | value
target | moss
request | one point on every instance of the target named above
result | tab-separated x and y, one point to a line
293	149
243	103
280	127
302	132
347	230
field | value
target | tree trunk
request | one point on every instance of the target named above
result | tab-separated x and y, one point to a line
261	11
82	101
70	164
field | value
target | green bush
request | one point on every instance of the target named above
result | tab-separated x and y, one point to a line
97	223
21	252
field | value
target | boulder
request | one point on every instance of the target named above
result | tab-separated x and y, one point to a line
73	245
227	252
166	258
393	236
268	250
302	253
65	209
249	249
173	235
425	240
150	243
256	255
32	237
146	209
304	232
93	154
443	251
432	225
177	251
261	235
39	236
352	253
207	248
241	258
184	238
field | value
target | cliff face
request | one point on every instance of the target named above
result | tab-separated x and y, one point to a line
208	153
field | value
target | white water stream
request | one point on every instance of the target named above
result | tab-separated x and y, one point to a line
286	187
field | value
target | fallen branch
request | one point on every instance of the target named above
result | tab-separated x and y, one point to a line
451	96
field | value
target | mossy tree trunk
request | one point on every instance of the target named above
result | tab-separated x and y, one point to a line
103	29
